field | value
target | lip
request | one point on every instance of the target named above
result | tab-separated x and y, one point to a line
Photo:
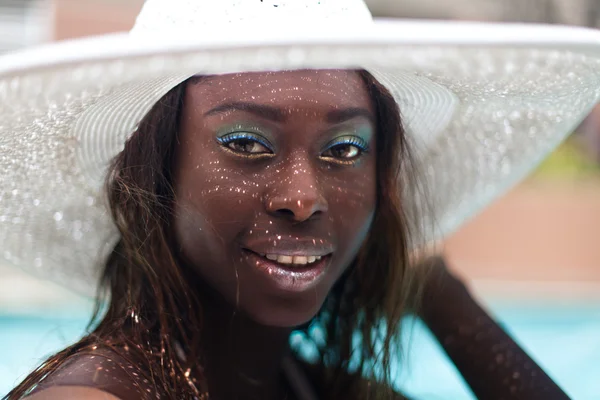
289	278
301	247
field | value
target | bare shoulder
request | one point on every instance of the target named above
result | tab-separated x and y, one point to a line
101	374
72	393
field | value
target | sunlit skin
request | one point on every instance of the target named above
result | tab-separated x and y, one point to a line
270	163
267	163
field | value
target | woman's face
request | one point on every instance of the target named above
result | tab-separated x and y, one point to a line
275	187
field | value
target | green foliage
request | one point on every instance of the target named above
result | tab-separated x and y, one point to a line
569	161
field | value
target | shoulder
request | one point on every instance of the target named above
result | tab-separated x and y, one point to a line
99	374
72	393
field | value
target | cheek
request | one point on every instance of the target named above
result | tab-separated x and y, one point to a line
352	204
352	197
356	193
212	205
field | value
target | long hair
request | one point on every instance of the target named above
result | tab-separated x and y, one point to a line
148	301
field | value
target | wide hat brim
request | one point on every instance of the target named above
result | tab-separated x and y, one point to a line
483	104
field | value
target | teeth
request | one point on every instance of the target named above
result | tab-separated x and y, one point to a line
297	260
285	259
300	260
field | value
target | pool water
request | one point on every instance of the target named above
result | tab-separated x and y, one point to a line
564	339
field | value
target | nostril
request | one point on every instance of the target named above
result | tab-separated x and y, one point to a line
297	216
285	212
295	209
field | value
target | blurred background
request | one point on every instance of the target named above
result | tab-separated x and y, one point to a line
533	258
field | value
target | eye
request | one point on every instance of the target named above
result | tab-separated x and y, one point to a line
345	149
246	143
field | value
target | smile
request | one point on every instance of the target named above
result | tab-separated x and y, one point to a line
296	261
297	253
291	260
290	273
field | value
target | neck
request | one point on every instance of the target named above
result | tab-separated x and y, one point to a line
242	358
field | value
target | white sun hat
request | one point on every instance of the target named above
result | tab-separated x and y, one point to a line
482	103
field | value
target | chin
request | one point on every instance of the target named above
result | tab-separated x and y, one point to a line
284	317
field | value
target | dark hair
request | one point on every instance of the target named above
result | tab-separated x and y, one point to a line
149	301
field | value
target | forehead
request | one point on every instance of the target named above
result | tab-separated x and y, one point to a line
313	89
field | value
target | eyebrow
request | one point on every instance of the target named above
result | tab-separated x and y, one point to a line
346	114
279	115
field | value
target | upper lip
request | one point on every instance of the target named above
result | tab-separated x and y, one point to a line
301	247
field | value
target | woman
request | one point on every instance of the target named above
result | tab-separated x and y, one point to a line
249	205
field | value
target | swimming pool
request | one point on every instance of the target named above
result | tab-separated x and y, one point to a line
564	338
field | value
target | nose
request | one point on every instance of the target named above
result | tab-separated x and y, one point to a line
296	196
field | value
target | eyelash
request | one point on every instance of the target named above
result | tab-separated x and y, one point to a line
355	141
229	138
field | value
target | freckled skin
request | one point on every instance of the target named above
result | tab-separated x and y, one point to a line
225	201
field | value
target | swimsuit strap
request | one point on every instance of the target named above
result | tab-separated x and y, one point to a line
297	379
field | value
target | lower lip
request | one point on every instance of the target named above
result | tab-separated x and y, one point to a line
290	278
